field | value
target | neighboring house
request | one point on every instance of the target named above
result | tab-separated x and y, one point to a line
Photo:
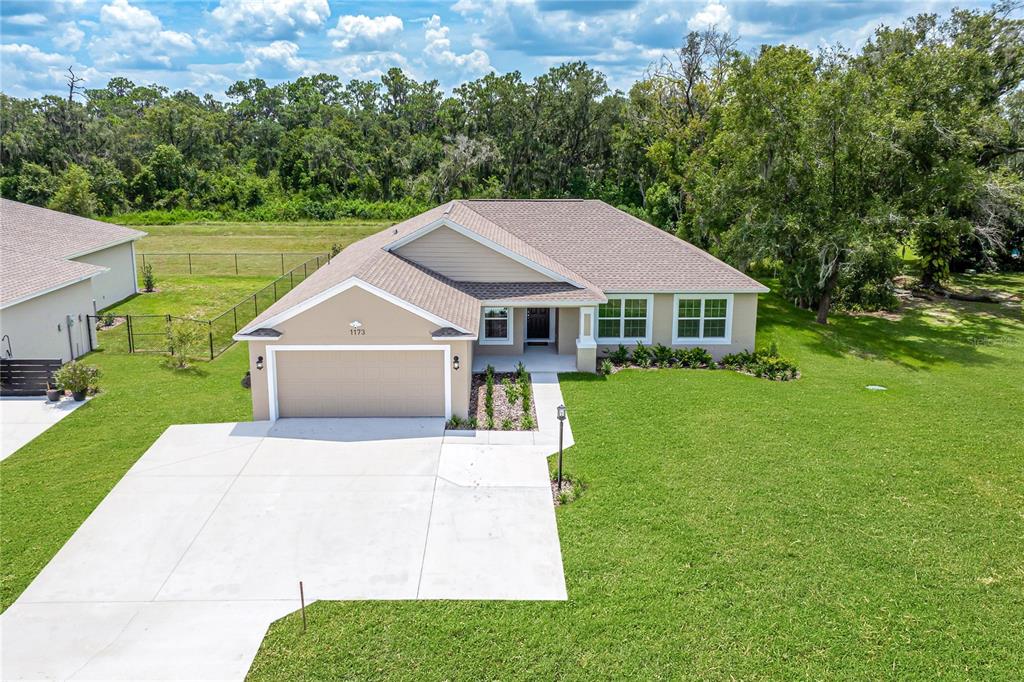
55	269
391	325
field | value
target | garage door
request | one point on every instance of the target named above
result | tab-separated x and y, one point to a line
363	383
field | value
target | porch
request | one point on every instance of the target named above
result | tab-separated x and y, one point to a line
535	358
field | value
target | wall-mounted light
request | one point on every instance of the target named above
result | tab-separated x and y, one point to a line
259	363
355	324
455	363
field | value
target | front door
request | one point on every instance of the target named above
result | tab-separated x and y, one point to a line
538	324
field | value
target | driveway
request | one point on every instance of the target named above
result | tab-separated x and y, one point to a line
22	419
180	570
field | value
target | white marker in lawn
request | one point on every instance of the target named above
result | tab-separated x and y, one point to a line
873	387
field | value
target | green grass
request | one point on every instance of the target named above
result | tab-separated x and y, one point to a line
739	528
228	237
198	296
50	486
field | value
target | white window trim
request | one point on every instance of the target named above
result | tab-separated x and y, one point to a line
648	332
551	324
272	351
700	340
482	337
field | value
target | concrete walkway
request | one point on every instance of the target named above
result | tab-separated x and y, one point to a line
22	419
180	570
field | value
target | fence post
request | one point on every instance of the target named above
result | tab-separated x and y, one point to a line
275	289
291	279
209	324
190	262
234	312
236	263
304	273
255	306
143	260
128	331
318	262
169	348
282	263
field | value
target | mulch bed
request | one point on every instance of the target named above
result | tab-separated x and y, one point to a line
502	408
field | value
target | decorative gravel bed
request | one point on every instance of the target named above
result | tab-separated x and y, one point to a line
508	416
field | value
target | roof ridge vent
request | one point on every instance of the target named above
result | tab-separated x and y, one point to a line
448	208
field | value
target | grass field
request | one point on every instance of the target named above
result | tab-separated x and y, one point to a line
312	237
736	528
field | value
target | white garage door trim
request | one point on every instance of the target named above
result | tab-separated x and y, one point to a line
272	352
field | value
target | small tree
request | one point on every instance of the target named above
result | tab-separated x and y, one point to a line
74	195
184	338
148	280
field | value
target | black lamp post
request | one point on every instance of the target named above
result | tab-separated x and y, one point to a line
561	432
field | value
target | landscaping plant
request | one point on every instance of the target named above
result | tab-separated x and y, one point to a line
489	396
641	355
148	280
661	355
606	367
184	339
620	355
77	377
693	357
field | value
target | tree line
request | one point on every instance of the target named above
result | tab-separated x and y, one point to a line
821	167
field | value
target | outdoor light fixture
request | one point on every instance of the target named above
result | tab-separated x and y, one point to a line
455	363
259	363
561	430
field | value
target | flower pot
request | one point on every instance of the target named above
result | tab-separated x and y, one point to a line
78	396
53	394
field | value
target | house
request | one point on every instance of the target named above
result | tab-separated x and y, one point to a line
392	325
55	270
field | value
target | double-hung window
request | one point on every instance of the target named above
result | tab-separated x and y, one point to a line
497	326
625	319
702	318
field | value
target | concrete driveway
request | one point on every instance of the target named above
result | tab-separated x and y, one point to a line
22	419
180	570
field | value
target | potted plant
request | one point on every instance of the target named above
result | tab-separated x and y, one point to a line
53	394
77	378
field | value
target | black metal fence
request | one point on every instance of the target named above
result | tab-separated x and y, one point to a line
199	263
151	333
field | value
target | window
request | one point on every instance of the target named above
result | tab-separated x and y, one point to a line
497	326
703	319
625	318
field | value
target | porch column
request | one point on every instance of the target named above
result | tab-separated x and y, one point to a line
586	344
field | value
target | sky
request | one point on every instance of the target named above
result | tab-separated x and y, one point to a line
206	45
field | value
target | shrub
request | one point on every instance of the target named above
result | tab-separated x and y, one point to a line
108	319
506	424
148	281
454	423
762	364
184	338
693	357
620	356
489	396
511	390
606	367
641	355
527	422
76	377
662	355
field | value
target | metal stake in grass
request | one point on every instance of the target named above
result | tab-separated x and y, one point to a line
561	431
302	600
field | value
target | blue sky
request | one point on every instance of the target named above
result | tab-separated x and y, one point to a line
206	45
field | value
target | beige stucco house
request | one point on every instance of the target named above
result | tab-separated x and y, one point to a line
394	324
55	270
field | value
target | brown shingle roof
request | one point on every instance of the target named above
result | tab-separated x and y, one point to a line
611	248
586	242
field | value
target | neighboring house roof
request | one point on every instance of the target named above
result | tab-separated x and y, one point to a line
36	245
26	276
592	247
40	231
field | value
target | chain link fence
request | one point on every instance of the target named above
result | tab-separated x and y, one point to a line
199	263
150	333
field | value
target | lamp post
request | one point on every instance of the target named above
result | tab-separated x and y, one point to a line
561	432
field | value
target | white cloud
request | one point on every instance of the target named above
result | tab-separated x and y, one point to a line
70	38
136	37
271	18
282	54
714	15
26	70
438	49
121	15
33	19
361	33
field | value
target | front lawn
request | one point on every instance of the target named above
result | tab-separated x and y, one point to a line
51	485
741	528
